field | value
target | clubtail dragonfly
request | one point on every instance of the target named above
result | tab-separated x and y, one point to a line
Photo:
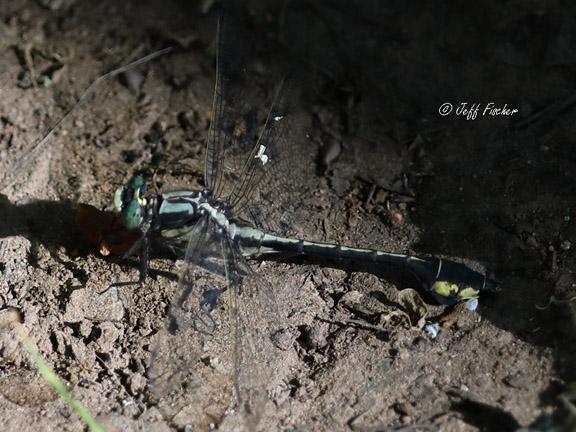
243	175
205	225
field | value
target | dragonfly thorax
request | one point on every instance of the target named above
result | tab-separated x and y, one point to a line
178	211
170	213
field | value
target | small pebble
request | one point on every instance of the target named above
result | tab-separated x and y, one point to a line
214	362
136	383
283	339
519	380
472	304
566	245
317	336
397	217
404	408
432	330
403	354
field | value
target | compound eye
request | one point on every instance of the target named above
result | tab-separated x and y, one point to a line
132	215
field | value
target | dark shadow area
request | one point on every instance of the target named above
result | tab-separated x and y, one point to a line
485	417
52	225
495	189
400	274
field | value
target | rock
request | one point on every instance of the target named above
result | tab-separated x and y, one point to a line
519	380
116	423
60	342
136	383
108	337
283	339
154	421
85	328
317	335
26	388
432	330
405	409
85	304
84	354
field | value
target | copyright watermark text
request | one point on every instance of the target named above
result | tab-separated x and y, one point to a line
471	111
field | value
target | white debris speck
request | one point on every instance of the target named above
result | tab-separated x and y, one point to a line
432	330
261	155
472	304
214	362
278	118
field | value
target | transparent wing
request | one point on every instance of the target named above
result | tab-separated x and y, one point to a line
255	158
273	174
191	354
258	320
231	133
216	350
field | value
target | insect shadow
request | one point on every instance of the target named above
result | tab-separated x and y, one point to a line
52	225
389	273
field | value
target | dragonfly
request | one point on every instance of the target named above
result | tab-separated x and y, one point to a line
214	229
224	314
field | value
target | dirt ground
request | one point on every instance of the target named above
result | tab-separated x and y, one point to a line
392	173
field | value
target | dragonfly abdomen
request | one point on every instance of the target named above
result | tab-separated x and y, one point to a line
255	242
449	281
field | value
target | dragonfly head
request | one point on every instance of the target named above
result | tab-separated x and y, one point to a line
129	200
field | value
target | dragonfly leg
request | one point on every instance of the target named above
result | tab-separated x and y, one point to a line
143	243
144	259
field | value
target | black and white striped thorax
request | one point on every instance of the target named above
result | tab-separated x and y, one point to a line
178	211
